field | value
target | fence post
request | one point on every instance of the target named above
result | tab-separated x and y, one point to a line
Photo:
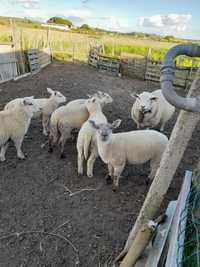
148	58
49	43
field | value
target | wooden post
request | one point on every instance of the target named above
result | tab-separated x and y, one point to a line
73	52
14	44
148	58
144	236
49	43
113	47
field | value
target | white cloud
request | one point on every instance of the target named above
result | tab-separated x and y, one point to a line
170	22
26	3
86	15
111	23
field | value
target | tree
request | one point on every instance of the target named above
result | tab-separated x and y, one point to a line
59	20
169	38
85	27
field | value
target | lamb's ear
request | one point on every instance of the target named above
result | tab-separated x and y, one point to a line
93	124
89	95
135	96
116	124
50	91
154	98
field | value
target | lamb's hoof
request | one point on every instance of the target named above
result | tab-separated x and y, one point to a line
108	179
115	188
50	150
2	159
62	156
147	181
90	175
80	173
45	133
21	157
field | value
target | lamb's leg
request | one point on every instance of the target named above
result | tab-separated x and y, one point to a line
91	160
154	164
18	143
109	176
52	142
45	124
53	137
3	151
63	138
162	126
117	172
80	161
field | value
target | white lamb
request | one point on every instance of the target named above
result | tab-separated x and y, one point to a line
14	125
47	105
86	141
71	116
151	109
135	147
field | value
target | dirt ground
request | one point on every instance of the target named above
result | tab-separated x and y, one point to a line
33	192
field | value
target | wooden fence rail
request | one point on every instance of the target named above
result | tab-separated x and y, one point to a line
8	63
11	64
142	68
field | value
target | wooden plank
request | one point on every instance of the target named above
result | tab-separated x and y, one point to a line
8	67
33	60
173	239
161	237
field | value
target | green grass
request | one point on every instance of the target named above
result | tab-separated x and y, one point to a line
75	44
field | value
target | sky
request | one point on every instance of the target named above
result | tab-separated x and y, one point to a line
166	17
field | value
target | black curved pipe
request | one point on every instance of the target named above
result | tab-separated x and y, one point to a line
167	77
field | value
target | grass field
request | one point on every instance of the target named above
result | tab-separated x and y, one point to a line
75	46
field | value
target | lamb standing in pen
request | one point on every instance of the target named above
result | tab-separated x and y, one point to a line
135	147
151	109
47	105
71	116
14	125
86	141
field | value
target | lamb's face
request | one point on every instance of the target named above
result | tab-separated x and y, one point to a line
103	97
57	96
30	106
145	102
106	98
92	103
104	130
60	98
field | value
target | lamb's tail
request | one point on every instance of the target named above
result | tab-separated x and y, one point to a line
54	131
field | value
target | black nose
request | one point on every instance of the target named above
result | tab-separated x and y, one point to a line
104	136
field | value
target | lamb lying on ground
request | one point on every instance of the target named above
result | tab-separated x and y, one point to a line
47	105
86	142
14	125
71	116
135	147
151	109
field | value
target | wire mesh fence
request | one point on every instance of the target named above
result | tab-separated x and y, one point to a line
189	230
